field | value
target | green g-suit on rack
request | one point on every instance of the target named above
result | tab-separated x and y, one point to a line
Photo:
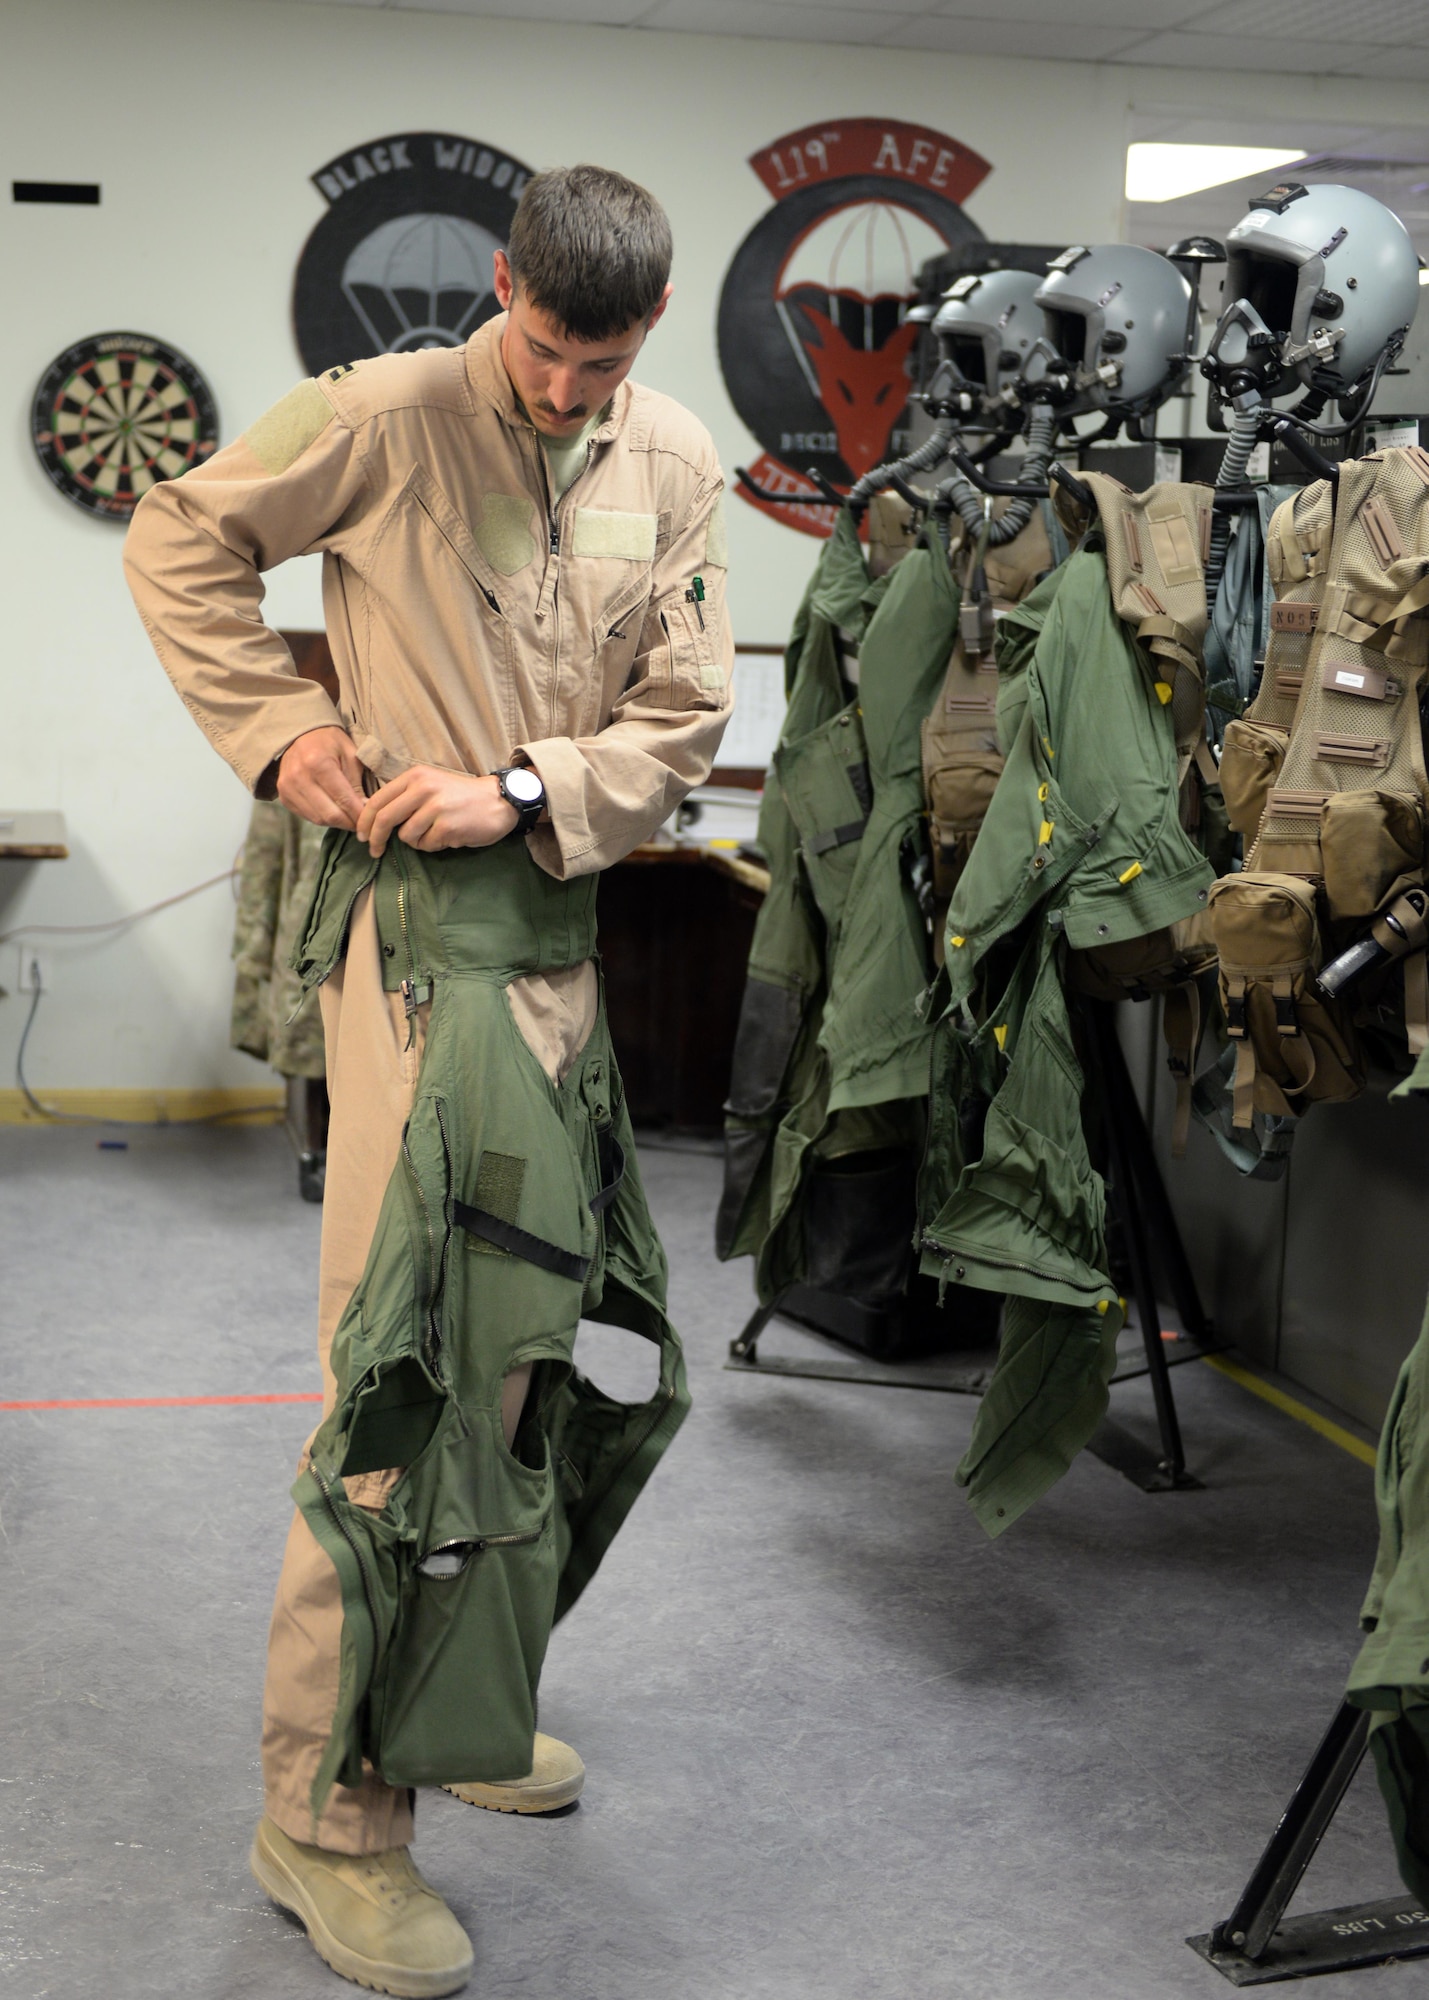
1082	848
515	1208
831	1060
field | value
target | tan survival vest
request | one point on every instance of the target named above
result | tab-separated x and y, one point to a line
962	761
1325	778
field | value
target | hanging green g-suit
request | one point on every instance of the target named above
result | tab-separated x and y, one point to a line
1391	1675
1082	846
515	1208
831	1061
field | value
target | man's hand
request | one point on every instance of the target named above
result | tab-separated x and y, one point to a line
320	778
433	809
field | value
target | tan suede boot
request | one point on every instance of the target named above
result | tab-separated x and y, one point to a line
555	1780
370	1916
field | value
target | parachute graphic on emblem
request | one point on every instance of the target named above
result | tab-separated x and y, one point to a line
422	281
840	300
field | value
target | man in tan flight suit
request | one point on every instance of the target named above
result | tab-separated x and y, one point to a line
523	578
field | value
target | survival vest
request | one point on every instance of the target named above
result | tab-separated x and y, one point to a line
1327	779
514	1210
962	760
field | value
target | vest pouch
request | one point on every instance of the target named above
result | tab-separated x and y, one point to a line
1293	1047
1368	840
960	786
1250	764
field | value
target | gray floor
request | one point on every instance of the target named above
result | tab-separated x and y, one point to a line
838	1744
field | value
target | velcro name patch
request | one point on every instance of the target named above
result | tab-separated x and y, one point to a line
601	531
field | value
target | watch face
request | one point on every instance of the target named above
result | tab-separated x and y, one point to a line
524	785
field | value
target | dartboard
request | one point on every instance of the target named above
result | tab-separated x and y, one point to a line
115	414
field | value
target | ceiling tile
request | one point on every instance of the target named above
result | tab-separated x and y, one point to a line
1383	22
1008	38
1244	53
1393	64
558	13
1147	15
769	20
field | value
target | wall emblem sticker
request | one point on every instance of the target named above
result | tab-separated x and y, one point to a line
115	414
812	343
402	258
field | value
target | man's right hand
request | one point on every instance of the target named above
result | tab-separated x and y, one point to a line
320	778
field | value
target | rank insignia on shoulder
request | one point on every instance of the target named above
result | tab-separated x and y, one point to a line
336	374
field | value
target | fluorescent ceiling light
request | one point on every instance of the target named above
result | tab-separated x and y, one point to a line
1159	172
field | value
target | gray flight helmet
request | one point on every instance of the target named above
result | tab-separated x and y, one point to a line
1320	281
1117	327
986	329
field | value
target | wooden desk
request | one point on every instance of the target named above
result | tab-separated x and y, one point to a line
33	836
675	929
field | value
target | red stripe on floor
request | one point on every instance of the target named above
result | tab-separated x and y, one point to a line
158	1402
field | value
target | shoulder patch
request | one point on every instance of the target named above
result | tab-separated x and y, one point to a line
717	538
284	433
343	368
601	531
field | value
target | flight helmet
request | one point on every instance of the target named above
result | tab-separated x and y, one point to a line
1117	324
1320	282
986	329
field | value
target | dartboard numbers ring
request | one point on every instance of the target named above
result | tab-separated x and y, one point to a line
117	413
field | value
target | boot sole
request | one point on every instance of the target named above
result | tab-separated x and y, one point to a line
508	1799
401	1981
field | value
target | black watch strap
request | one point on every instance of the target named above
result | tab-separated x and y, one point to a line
528	811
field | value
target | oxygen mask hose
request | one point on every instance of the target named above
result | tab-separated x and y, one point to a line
930	453
960	492
1245	431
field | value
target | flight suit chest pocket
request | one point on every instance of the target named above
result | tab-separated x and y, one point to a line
426	533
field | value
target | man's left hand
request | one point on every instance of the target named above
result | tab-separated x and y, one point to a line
431	809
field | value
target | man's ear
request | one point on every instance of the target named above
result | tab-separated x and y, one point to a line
655	316
505	286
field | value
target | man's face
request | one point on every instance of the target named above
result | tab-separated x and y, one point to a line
562	382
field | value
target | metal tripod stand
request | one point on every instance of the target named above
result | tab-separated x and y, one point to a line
1253	1947
1148	1225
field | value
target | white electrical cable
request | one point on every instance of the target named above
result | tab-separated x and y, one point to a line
116	923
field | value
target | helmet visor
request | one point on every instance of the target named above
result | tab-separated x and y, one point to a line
1067	332
1269	285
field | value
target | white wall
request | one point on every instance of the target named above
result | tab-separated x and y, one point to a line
203	123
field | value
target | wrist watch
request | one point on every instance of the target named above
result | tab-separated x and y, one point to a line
521	788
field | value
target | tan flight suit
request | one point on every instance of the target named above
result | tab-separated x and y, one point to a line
471	626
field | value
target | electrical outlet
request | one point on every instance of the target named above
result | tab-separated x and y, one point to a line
34	971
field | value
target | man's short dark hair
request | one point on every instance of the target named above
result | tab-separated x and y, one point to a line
591	250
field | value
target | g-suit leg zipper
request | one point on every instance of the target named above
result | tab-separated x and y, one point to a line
448	1559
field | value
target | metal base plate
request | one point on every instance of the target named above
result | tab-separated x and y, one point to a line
1328	1941
966	1381
1141	1464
